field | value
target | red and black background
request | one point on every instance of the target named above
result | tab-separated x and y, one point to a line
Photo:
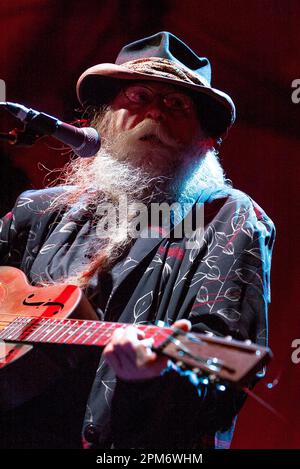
254	50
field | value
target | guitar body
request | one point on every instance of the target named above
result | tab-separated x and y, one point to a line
26	370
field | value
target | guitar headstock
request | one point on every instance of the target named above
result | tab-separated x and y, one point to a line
220	359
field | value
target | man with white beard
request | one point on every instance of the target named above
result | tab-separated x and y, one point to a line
160	121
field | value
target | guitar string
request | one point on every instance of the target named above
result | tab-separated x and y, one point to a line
62	326
98	324
64	323
163	331
84	325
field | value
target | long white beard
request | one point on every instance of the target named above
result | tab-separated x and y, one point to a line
114	177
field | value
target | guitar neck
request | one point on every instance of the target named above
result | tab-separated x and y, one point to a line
72	331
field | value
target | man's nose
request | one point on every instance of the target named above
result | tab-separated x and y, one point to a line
155	110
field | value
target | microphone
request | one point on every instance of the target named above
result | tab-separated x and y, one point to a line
84	141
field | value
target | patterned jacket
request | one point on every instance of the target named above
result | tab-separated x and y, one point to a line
222	285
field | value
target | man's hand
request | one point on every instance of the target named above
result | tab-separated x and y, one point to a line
130	354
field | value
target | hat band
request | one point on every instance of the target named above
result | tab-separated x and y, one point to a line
165	68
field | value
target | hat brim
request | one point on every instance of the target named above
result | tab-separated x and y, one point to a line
98	85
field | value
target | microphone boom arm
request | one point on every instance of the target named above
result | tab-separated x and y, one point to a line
84	141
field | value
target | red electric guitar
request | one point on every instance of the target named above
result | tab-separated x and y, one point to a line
61	314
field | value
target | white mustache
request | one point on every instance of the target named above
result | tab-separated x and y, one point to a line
147	128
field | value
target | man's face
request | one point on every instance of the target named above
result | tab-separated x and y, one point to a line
168	105
154	125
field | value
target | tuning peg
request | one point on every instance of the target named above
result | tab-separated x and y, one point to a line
221	387
248	342
212	378
181	365
204	380
228	337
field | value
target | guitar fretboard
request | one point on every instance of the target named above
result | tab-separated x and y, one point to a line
72	331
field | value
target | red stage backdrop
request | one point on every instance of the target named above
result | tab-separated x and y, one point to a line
254	50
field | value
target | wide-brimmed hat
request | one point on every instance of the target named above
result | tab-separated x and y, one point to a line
162	57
